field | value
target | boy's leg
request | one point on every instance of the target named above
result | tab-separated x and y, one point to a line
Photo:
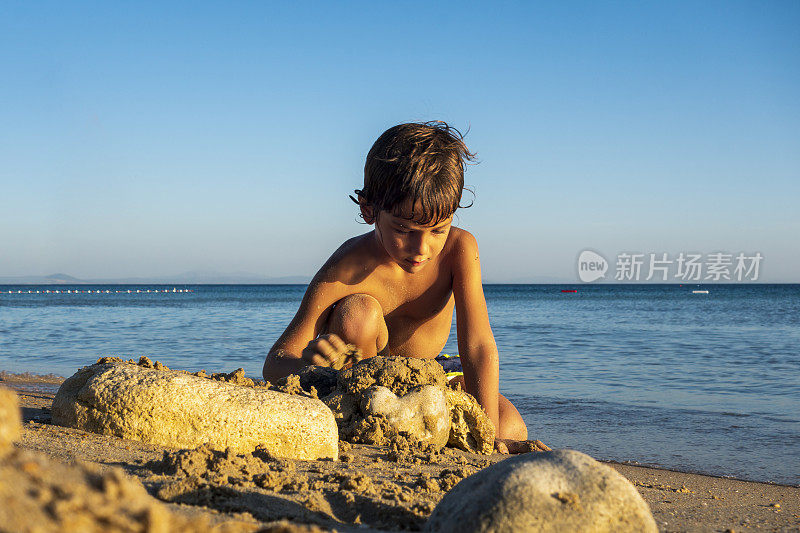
511	424
358	319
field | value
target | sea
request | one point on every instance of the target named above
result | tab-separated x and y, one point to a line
654	375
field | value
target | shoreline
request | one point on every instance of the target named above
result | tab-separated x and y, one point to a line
636	464
680	501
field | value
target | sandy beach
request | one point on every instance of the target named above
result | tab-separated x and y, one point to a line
371	488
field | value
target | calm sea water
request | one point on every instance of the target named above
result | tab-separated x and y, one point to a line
651	374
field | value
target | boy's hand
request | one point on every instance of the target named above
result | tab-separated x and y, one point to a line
325	350
506	446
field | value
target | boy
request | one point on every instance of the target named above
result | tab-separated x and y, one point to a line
392	291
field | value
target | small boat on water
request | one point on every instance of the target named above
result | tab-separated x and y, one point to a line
699	292
569	290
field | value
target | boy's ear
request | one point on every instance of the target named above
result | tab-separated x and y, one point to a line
367	211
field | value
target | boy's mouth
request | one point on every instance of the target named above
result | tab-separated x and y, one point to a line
416	263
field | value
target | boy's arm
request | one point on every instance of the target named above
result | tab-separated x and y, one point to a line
476	344
286	355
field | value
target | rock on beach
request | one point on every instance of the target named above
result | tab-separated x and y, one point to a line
555	491
10	419
173	408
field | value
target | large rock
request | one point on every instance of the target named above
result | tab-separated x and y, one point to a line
10	419
557	491
173	408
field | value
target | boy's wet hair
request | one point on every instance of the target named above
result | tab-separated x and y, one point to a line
417	162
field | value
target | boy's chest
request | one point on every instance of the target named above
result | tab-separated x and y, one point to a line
419	299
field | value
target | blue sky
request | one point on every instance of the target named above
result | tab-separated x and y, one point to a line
148	139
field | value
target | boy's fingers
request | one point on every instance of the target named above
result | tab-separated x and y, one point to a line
325	350
541	446
328	340
520	446
312	357
328	349
319	354
337	342
500	446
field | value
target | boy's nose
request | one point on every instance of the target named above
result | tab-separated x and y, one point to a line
421	245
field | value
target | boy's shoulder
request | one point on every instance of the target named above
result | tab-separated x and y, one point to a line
359	256
462	242
350	260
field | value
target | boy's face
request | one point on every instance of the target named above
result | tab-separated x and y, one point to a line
409	244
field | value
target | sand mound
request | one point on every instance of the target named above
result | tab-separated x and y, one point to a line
40	494
408	411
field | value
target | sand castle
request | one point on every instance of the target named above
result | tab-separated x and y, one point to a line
10	420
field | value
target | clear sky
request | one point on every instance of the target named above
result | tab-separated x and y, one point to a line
149	139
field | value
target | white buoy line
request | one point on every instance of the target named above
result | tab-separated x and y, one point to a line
104	291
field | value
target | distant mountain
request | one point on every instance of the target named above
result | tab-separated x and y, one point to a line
194	277
61	278
52	279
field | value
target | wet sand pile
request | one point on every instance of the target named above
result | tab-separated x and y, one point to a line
388	400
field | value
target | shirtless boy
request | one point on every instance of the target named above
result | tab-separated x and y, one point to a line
392	290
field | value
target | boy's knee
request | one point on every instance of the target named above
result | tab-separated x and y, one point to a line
357	316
